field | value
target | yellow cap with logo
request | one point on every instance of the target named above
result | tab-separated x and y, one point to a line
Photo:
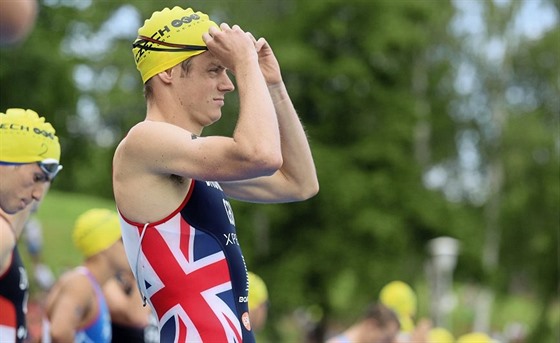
169	37
258	293
96	230
26	138
399	297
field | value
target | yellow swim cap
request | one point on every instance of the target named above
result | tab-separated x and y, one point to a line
168	38
96	230
440	335
399	297
258	293
26	138
474	337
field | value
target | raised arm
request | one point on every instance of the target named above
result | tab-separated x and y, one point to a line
297	178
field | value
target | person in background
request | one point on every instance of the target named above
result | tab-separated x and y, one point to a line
130	320
75	308
29	161
401	298
258	301
379	324
173	194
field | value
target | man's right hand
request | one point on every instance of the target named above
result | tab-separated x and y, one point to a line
232	46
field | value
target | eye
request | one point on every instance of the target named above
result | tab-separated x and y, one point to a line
217	69
40	177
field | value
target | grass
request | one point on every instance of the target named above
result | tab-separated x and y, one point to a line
57	214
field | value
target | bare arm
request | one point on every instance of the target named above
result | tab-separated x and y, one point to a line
297	178
126	309
253	151
67	311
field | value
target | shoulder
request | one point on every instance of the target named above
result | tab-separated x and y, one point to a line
75	284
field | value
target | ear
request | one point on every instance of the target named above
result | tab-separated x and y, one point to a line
166	75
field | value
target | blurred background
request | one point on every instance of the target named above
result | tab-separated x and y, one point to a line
435	127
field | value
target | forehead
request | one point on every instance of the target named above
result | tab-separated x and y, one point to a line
205	59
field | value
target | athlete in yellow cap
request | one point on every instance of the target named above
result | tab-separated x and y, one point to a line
258	301
401	298
29	157
76	310
379	324
172	186
29	160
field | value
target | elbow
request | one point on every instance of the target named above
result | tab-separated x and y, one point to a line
309	190
304	190
267	162
61	336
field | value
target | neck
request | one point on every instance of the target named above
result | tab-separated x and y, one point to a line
100	269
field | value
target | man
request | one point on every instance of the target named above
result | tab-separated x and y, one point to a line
379	324
172	186
29	161
76	310
401	298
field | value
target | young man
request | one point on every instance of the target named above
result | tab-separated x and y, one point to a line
29	161
76	310
172	186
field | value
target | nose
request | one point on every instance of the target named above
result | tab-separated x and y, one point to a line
38	191
226	85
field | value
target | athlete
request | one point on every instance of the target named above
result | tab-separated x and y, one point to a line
378	324
29	161
172	186
76	310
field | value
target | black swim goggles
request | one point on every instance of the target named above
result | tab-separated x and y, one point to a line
50	167
147	43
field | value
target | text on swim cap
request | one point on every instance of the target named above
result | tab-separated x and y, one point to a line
161	32
19	127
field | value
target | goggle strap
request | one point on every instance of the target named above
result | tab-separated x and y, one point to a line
143	42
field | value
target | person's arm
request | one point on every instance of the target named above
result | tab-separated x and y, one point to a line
297	178
254	149
67	311
126	309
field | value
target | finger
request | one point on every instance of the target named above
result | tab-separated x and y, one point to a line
213	30
206	37
260	43
225	26
252	37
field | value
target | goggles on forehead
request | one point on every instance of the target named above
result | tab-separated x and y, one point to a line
146	43
50	167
